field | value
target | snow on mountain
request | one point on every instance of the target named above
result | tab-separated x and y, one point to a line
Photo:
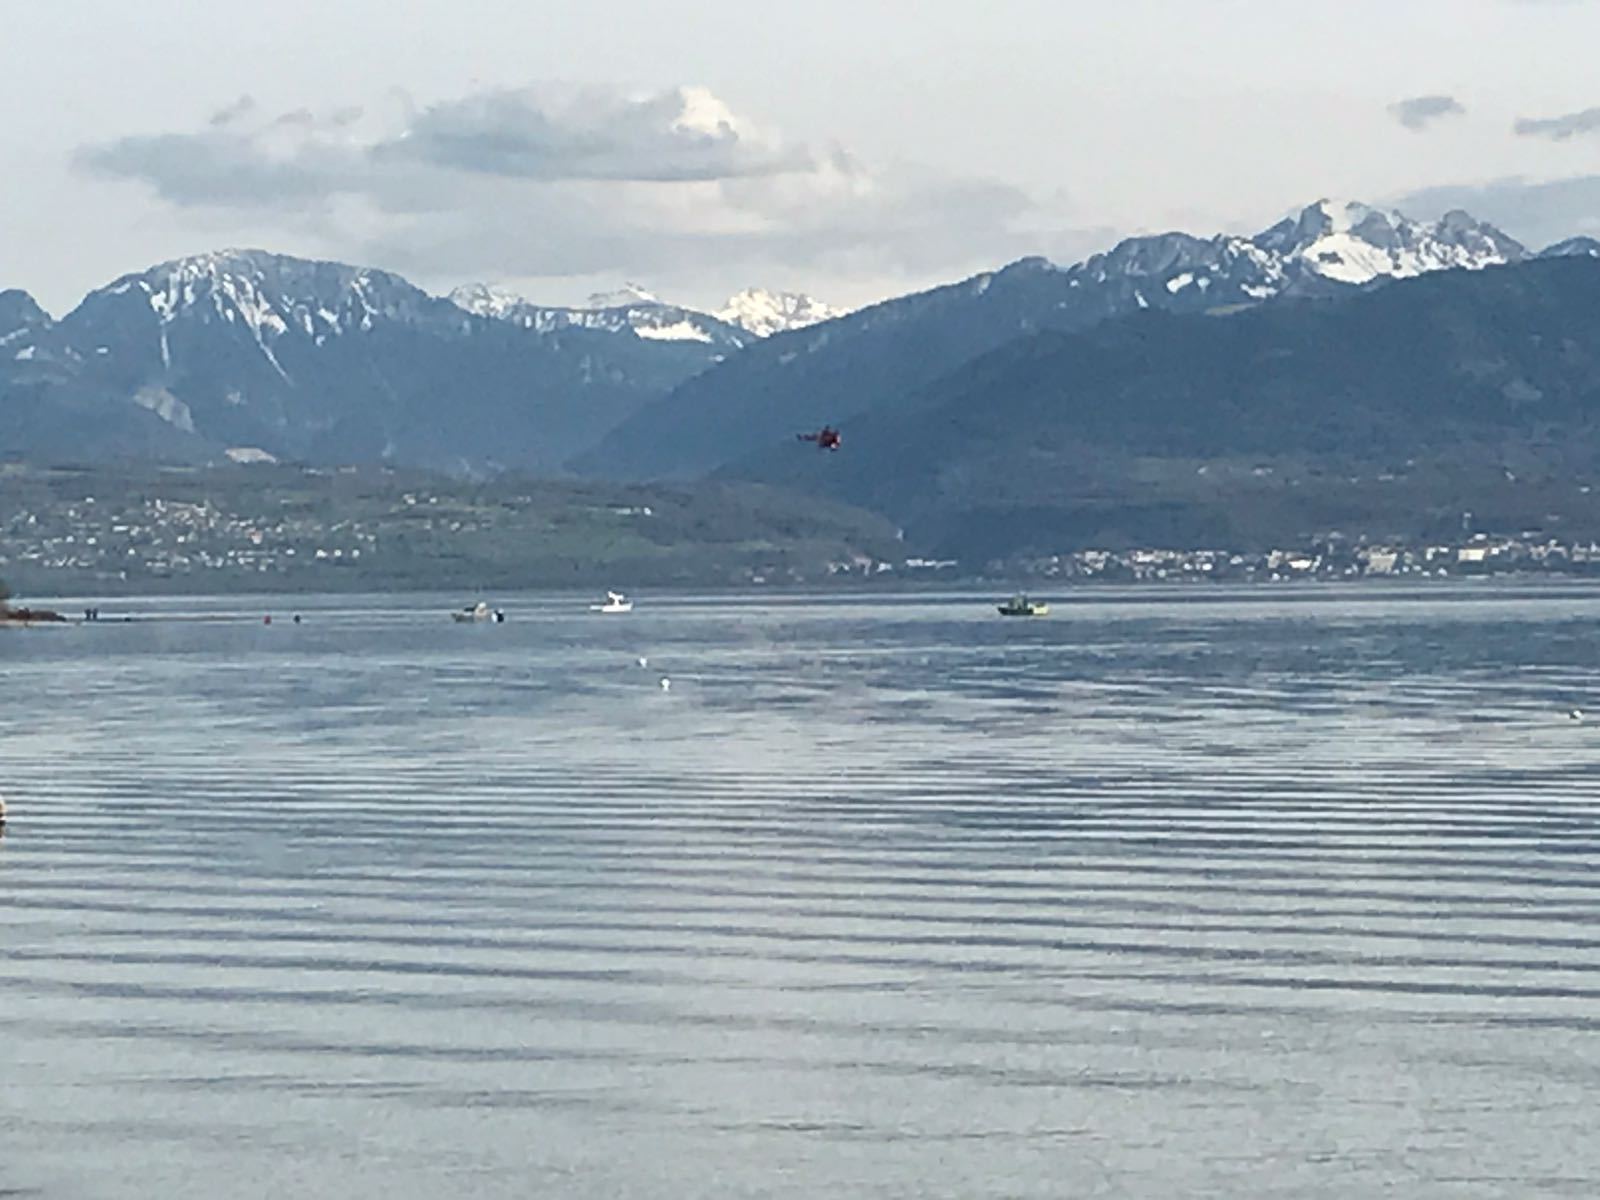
1170	270
264	298
326	362
631	310
685	330
765	313
243	344
502	304
655	320
487	300
274	294
754	312
249	454
1351	243
629	295
1329	246
329	362
900	346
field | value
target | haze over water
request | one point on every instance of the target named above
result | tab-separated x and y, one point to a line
1260	894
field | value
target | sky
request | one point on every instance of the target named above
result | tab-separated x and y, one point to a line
853	149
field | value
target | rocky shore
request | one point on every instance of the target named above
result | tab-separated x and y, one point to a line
10	615
29	616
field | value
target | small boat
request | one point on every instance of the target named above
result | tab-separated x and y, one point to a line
1021	605
478	612
616	602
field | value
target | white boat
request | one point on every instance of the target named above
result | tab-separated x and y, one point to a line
478	612
616	602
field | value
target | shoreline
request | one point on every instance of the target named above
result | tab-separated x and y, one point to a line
147	607
71	597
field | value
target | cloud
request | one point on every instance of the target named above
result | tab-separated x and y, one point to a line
593	133
238	110
241	159
544	134
571	181
1560	128
1419	112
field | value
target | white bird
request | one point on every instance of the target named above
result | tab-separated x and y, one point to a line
666	684
1576	714
643	661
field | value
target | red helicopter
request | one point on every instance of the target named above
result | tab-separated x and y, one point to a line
826	438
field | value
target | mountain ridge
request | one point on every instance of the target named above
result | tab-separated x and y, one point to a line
327	362
244	351
645	318
1438	393
833	371
751	313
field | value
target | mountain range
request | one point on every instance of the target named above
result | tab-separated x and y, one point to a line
752	314
962	399
1391	412
264	355
845	367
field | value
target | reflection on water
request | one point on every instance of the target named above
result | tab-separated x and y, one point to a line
1277	894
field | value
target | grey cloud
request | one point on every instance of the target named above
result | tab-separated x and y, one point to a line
1560	128
672	136
552	183
1418	112
240	108
537	134
229	167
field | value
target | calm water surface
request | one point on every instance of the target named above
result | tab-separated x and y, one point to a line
1275	894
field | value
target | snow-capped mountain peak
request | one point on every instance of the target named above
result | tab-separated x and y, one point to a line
631	310
765	313
628	295
1347	242
266	296
487	300
754	312
322	361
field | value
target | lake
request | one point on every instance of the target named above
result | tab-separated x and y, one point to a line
1262	893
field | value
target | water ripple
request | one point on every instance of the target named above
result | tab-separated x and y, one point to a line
1257	895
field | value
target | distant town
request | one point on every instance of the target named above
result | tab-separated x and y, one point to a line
1330	557
104	530
63	533
160	539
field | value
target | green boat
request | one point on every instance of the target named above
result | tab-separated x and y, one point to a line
1021	606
